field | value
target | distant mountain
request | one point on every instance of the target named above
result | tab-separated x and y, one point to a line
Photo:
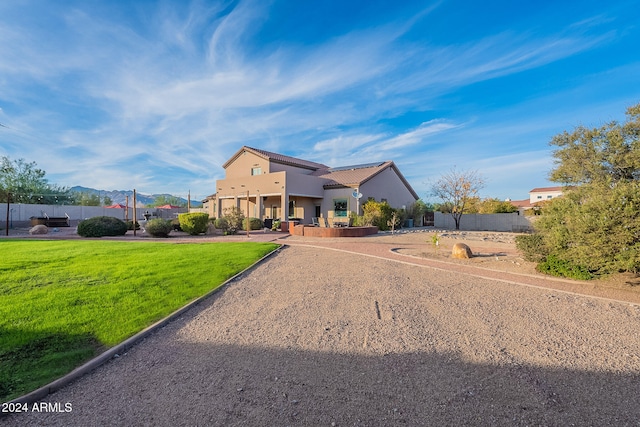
120	196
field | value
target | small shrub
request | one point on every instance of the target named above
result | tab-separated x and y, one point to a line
175	224
276	224
254	224
159	227
378	214
99	226
221	224
194	223
234	217
557	267
130	225
532	247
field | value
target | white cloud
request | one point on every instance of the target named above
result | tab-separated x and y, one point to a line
192	84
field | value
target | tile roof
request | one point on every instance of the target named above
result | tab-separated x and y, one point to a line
526	203
356	175
278	158
546	189
352	175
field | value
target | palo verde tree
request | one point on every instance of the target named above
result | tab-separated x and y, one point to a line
595	226
456	189
27	184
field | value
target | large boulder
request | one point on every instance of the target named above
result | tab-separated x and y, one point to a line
39	229
461	251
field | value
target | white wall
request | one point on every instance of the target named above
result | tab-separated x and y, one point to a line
511	222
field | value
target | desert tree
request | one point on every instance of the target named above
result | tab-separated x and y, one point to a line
595	226
457	189
27	184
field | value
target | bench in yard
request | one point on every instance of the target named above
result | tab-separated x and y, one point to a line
51	221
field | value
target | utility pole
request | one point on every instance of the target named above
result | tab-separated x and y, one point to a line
135	217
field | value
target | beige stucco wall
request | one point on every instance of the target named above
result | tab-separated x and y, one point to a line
241	166
278	167
338	193
387	185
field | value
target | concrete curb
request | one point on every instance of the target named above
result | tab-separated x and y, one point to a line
102	358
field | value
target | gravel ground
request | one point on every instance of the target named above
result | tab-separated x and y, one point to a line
316	336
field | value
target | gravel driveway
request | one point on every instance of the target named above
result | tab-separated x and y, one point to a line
317	337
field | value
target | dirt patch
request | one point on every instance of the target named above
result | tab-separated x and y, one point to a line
492	250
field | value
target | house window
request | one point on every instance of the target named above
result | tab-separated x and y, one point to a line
256	171
339	207
539	197
549	197
292	209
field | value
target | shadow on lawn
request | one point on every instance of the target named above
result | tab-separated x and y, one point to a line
41	357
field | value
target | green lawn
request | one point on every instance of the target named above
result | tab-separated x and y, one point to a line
63	302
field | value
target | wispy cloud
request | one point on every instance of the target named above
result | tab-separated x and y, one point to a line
181	87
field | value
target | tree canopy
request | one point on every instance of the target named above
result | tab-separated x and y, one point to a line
595	226
27	184
609	153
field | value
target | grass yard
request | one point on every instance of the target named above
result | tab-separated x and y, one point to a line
63	302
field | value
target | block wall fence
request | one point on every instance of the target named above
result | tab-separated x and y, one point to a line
20	214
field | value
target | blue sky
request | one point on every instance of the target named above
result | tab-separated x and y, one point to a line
157	95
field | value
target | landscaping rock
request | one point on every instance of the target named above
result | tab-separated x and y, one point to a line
39	229
461	251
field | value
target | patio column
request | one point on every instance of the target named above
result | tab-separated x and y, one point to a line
259	205
284	202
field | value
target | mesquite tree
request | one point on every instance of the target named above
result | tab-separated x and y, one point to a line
456	189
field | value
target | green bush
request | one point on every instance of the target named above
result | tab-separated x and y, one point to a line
99	226
558	267
532	247
158	227
130	225
175	224
221	224
194	223
254	224
234	217
276	224
378	214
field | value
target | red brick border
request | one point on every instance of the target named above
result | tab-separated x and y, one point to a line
311	231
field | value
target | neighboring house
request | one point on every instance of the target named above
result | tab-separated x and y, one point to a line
538	195
270	185
545	193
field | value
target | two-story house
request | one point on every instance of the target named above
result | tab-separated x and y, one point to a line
270	185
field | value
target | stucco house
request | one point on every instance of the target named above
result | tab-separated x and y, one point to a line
538	195
268	185
544	193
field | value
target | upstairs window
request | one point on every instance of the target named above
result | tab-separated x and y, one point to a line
256	171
